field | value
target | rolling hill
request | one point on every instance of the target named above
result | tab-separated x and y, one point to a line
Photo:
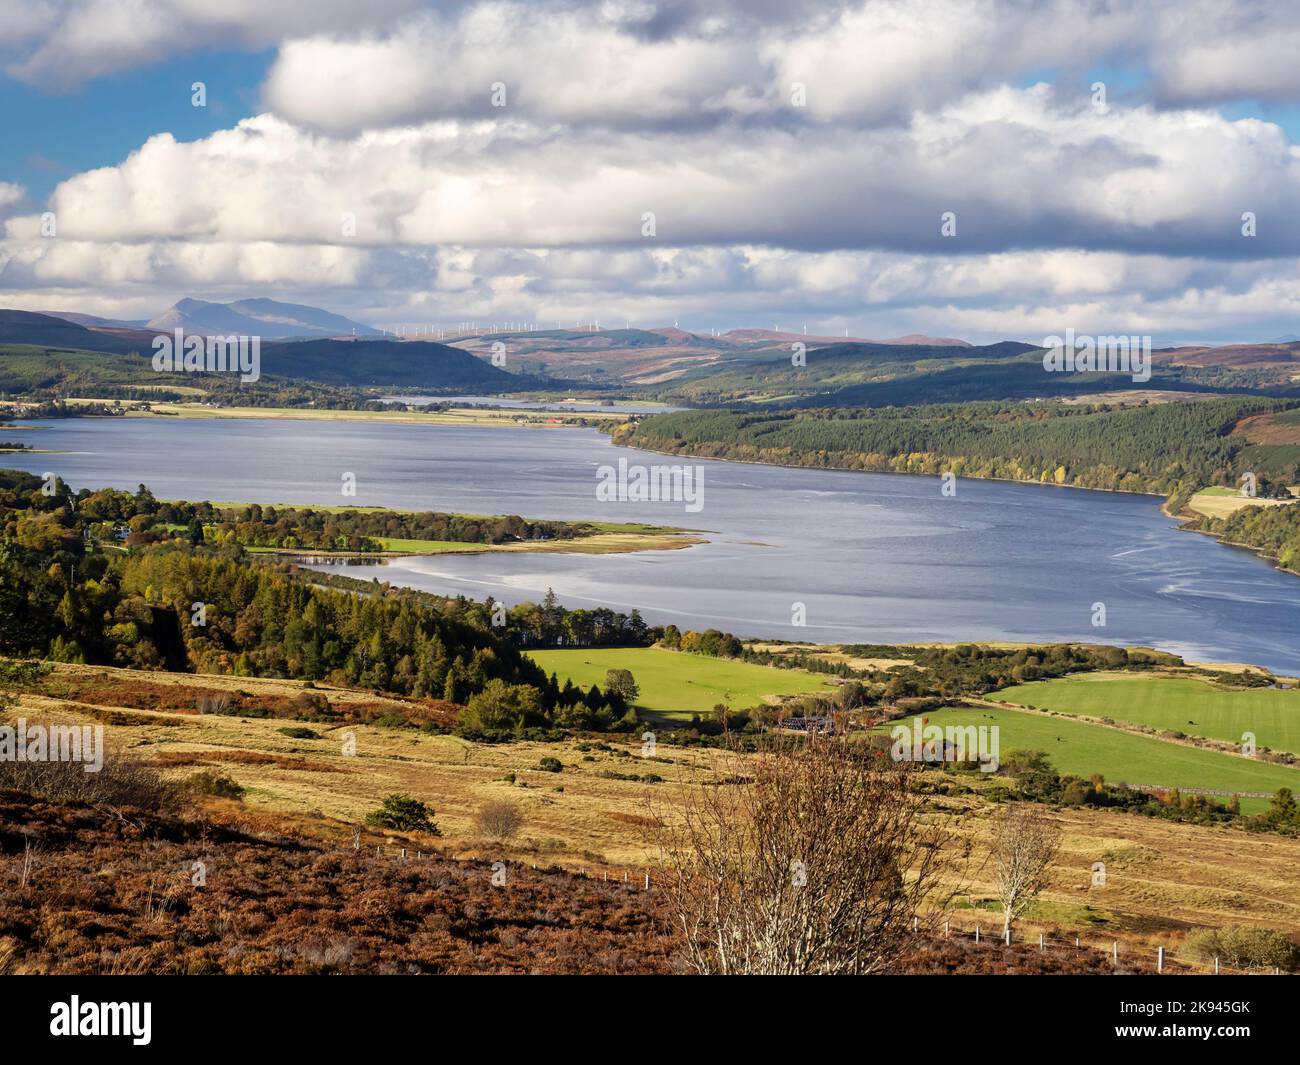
413	364
266	318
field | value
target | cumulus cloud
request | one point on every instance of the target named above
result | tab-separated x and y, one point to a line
63	43
1017	171
342	65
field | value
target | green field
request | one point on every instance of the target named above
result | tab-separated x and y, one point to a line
1181	704
428	547
1123	757
676	683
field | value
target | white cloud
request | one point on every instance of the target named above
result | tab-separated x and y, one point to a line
1017	170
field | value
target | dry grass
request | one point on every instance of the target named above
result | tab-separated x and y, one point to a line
1162	878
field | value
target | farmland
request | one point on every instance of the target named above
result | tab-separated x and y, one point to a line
679	684
1181	704
1082	749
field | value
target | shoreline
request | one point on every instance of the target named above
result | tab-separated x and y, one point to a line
888	473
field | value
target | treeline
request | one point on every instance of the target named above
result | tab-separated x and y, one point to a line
360	530
938	672
57	408
1037	781
1159	448
145	519
547	624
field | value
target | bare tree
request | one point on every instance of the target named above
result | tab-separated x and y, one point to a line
810	856
500	821
1025	844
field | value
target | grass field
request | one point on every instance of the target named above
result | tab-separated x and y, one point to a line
1219	502
676	683
1181	704
1123	757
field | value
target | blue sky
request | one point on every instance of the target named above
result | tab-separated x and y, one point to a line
53	135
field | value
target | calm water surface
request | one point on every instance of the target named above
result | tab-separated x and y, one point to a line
872	557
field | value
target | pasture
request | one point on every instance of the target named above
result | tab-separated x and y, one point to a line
680	684
1181	704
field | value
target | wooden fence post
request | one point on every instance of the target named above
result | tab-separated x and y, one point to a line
1160	959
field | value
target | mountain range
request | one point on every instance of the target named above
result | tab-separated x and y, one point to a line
267	318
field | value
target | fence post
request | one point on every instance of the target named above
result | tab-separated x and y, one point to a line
1160	959
647	881
977	933
1114	950
945	928
1216	965
1007	930
1076	943
914	923
1040	940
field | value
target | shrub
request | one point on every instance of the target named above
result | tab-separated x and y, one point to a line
21	673
500	820
299	732
1245	946
502	706
550	765
215	783
120	782
401	813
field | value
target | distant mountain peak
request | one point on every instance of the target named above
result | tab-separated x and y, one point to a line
259	316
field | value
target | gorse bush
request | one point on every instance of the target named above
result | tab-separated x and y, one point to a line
401	813
215	783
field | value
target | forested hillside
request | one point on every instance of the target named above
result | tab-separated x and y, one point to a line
1158	448
1273	531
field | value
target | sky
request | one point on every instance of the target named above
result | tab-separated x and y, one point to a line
967	168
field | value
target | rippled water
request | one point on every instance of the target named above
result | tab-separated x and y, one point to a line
872	557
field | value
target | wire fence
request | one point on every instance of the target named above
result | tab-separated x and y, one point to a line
1124	956
1146	959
